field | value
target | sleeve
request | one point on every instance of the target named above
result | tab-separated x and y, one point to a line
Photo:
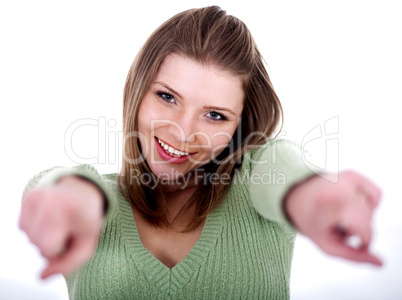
51	176
275	169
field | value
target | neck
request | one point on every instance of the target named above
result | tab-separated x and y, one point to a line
181	184
175	200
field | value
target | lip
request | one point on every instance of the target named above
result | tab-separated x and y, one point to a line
169	158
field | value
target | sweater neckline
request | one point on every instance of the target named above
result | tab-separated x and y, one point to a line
166	279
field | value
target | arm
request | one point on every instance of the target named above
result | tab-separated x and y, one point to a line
63	218
275	168
298	197
329	213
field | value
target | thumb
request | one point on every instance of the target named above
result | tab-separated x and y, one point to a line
78	253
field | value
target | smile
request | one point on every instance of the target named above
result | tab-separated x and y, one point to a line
170	150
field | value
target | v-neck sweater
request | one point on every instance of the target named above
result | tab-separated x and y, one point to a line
244	251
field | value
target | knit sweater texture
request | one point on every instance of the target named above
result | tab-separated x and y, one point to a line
244	252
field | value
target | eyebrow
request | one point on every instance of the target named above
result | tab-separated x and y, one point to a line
220	108
169	88
205	107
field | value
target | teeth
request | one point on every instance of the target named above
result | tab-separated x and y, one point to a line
171	150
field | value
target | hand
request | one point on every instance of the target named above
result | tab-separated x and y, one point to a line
331	213
64	222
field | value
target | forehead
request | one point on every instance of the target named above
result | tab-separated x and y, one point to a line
201	82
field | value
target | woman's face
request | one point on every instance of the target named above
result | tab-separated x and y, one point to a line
188	116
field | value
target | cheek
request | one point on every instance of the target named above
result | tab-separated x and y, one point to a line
221	139
144	126
142	116
219	143
146	113
149	113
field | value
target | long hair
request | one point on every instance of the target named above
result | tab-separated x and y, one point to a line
209	36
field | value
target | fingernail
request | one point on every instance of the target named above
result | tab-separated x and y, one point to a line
355	241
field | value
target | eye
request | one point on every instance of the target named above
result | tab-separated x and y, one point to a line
166	97
214	116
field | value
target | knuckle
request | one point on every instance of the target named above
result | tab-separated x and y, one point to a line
23	220
30	201
70	208
350	174
89	252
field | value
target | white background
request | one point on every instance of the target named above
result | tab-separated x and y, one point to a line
62	61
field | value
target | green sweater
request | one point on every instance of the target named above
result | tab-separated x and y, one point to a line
244	252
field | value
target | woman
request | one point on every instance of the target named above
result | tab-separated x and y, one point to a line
195	211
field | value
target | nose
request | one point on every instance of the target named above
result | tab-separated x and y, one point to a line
184	129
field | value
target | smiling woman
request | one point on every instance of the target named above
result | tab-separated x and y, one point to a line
206	92
207	202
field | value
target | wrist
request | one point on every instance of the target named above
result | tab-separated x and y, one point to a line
296	205
85	188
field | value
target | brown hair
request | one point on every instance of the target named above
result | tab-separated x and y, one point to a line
209	36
